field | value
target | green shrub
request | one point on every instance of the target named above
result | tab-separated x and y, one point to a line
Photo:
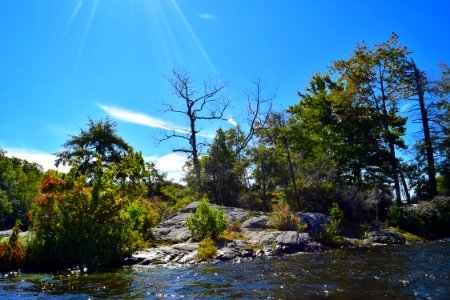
393	216
206	222
142	216
207	249
283	218
87	222
430	219
331	235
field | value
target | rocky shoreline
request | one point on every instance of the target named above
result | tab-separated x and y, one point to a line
175	245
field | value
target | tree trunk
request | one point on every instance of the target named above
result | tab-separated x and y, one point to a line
426	132
405	187
393	159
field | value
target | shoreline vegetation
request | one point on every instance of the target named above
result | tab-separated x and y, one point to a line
330	171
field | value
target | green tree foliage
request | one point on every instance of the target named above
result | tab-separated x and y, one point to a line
443	131
379	78
206	222
96	224
19	189
100	139
222	177
336	141
274	164
331	235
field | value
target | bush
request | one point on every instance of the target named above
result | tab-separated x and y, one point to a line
331	235
206	222
87	222
429	219
393	216
142	216
283	218
12	251
207	249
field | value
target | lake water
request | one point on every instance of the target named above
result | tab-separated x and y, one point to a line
418	271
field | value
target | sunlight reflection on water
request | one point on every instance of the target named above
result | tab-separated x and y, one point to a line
408	271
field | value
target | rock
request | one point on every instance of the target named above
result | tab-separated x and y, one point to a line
188	258
260	221
270	251
181	253
227	254
293	241
232	244
25	235
315	222
173	229
385	236
314	247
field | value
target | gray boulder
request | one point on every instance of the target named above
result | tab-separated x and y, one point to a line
384	236
315	222
173	229
259	221
291	241
181	253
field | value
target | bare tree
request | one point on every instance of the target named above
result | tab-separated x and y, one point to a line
259	109
195	106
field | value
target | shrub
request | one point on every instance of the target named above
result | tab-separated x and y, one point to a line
90	222
283	218
207	249
430	219
331	235
12	251
206	222
142	216
235	226
393	216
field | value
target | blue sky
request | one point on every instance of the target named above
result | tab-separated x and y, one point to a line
64	61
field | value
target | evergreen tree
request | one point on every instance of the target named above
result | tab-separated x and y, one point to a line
222	180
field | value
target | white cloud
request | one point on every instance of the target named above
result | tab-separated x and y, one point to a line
171	164
404	108
46	160
140	118
146	120
206	16
232	122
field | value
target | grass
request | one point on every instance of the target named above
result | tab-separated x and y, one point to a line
232	236
207	250
408	236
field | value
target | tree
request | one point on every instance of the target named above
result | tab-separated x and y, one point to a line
443	130
420	88
222	178
195	107
335	138
19	189
379	77
259	109
99	139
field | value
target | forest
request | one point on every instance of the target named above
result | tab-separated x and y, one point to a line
342	144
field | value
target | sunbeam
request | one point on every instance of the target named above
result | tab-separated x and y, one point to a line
86	33
194	37
74	15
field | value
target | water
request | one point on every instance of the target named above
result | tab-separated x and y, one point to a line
419	271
